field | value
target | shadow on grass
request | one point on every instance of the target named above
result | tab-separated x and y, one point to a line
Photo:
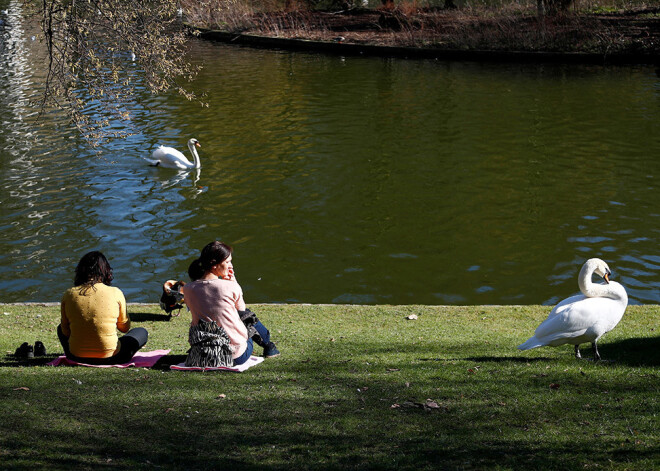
11	361
641	351
168	360
148	317
316	417
275	433
14	362
631	352
524	360
485	358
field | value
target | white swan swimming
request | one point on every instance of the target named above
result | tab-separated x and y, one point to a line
169	157
585	317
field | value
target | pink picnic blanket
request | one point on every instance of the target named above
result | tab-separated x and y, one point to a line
236	369
140	360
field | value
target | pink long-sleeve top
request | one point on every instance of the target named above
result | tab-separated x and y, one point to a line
219	300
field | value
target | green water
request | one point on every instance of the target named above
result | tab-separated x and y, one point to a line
345	180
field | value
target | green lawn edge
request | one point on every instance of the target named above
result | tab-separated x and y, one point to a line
356	387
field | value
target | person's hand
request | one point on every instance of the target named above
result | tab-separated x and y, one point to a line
230	276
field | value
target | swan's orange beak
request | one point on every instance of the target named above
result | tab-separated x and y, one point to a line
197	144
607	277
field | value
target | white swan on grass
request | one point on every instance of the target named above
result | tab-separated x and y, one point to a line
169	157
585	317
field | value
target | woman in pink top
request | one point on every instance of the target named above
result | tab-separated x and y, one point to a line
215	295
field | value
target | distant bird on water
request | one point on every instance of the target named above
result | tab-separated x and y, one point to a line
584	317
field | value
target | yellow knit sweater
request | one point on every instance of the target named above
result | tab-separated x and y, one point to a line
91	317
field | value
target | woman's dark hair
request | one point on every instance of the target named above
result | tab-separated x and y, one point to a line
195	271
92	268
212	254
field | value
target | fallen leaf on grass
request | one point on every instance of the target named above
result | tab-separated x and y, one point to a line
427	405
554	386
221	396
431	404
169	409
22	388
474	369
412	317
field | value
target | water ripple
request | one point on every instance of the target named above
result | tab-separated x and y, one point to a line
359	180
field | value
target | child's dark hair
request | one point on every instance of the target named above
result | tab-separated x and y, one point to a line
212	254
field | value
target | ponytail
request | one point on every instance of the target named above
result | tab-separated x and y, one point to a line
195	270
212	254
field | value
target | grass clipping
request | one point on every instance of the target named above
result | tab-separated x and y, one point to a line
356	387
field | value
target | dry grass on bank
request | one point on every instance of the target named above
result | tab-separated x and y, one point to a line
588	26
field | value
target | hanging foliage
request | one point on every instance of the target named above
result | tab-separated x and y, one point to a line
93	48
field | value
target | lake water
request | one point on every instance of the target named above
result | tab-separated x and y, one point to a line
343	180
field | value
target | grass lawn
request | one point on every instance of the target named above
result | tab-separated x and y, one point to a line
356	387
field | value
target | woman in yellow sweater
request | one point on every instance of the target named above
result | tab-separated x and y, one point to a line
92	311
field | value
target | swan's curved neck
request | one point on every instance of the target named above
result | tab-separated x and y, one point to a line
591	289
193	151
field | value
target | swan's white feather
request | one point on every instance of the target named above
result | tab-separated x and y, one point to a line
169	157
581	319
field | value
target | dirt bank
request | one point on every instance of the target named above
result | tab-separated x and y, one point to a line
631	36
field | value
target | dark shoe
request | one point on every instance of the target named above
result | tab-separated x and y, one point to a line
25	351
271	351
39	349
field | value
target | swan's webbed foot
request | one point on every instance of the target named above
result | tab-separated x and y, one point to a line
577	352
596	354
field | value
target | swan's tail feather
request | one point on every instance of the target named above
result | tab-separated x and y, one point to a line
533	342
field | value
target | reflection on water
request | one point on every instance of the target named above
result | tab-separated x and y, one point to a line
346	180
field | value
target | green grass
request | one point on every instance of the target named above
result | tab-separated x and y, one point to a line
349	391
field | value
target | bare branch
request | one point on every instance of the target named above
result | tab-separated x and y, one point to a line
91	46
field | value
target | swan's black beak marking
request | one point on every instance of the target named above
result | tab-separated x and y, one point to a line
607	276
